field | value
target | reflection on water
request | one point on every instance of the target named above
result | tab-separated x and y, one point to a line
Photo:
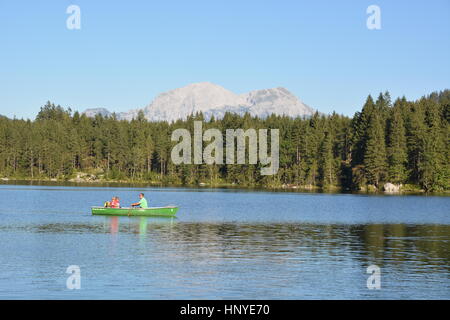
143	224
264	260
427	245
286	247
114	225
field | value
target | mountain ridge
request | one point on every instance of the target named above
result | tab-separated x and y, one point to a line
214	101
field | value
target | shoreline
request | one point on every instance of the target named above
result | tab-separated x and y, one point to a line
149	184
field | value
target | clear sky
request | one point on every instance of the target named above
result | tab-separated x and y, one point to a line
127	52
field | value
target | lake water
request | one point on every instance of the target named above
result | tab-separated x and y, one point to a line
224	244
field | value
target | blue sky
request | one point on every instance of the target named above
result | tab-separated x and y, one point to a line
129	51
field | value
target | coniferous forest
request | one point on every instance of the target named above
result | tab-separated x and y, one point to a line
401	142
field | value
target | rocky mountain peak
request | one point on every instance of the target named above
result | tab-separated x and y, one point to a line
214	100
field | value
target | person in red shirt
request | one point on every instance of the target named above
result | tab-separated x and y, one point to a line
115	202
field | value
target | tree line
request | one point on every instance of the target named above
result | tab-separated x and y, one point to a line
402	142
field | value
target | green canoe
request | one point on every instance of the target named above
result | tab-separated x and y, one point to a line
168	211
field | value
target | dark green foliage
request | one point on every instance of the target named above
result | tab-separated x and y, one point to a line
397	155
404	143
375	151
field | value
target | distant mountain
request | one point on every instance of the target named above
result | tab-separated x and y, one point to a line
93	112
214	100
276	101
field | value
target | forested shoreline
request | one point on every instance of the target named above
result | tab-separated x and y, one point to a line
402	142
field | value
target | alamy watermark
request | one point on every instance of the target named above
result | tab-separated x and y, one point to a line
374	280
374	20
214	152
74	280
73	22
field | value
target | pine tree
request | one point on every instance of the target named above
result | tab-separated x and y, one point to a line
326	162
433	169
360	124
375	154
397	151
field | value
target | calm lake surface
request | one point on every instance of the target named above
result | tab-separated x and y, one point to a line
224	244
